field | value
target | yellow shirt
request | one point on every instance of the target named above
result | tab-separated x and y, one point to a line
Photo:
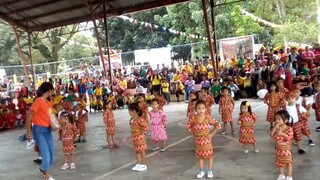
203	69
165	87
149	97
111	98
98	91
188	69
247	82
209	65
240	81
123	83
177	77
39	83
156	81
233	63
181	87
211	75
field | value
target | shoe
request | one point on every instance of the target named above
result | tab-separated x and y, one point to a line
318	129
209	175
256	151
223	133
37	161
163	150
78	141
301	151
246	151
156	148
83	140
311	143
201	174
295	143
135	167
50	178
65	166
233	133
72	166
289	178
142	167
281	177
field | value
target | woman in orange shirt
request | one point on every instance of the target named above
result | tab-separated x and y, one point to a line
39	115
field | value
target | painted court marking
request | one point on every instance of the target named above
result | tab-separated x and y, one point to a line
152	154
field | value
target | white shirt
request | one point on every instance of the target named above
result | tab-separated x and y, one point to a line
299	101
292	110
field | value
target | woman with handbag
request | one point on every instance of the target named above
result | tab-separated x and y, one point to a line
43	123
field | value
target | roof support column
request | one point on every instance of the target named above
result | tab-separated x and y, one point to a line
86	2
214	34
107	45
20	53
212	53
31	61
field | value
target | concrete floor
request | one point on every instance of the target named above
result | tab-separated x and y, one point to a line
94	161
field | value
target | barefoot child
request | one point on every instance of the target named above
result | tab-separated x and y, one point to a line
200	125
272	99
192	104
204	96
283	93
247	120
158	125
67	134
109	121
226	106
139	126
283	134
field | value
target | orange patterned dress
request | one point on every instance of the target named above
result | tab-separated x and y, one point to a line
191	107
316	105
139	127
109	121
68	134
283	93
144	107
208	102
246	132
226	104
273	101
201	133
283	148
81	119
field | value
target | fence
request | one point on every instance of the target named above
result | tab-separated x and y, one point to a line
178	53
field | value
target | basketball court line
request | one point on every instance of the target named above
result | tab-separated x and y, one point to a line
154	153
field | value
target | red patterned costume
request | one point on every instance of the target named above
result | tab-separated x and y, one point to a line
144	107
109	121
273	100
298	128
23	106
67	134
81	119
226	105
139	127
191	107
316	106
201	133
283	93
246	132
302	101
283	147
208	102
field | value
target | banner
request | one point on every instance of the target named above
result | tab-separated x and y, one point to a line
234	47
116	60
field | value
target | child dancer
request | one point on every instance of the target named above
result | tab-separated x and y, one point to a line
283	134
139	126
296	112
283	93
81	119
204	96
158	124
143	106
67	134
247	120
192	104
199	125
302	101
272	99
109	121
161	100
226	106
316	102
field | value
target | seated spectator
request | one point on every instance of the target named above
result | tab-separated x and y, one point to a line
139	88
235	89
215	90
205	83
248	85
180	90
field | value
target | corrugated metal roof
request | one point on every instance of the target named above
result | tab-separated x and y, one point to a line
39	15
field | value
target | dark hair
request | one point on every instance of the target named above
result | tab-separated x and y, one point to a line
44	87
154	100
135	107
200	102
69	115
244	103
272	83
278	79
285	116
105	104
224	88
140	95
